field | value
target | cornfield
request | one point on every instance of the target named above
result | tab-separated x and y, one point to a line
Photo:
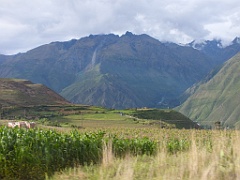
36	153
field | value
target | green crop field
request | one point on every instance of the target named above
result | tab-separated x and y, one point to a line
119	153
34	153
85	142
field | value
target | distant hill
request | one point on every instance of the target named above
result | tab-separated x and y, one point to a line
217	97
112	71
18	92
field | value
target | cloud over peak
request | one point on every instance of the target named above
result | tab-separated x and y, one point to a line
27	24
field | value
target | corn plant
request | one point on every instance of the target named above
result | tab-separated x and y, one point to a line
137	146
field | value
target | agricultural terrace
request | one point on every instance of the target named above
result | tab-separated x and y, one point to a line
82	116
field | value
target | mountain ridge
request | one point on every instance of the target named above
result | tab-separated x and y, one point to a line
132	70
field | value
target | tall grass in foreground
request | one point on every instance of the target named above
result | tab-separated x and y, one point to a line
200	155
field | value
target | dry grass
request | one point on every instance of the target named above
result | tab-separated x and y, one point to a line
219	160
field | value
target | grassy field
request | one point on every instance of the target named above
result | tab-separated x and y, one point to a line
179	154
182	154
84	142
80	116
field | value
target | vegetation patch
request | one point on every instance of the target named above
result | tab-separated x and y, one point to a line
34	153
168	116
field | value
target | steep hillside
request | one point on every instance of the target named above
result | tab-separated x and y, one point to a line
24	93
112	71
217	99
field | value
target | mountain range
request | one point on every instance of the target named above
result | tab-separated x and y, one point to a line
118	71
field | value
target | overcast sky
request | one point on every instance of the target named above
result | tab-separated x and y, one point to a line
25	24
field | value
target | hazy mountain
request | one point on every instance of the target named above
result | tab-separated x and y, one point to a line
215	49
24	93
216	98
112	71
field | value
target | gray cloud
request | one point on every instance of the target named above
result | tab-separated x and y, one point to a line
27	24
